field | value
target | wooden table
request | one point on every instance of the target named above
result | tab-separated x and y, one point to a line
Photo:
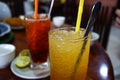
100	67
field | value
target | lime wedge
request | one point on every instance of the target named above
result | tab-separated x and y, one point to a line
23	61
24	52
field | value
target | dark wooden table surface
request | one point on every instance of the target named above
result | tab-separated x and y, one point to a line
100	67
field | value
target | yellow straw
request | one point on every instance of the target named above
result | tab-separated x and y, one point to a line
79	15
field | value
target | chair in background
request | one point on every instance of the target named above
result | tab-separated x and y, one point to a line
103	22
118	4
70	11
16	6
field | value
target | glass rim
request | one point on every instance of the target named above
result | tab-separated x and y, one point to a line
65	28
30	17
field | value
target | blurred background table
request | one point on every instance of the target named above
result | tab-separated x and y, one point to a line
69	9
100	67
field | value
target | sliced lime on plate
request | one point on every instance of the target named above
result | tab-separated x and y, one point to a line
24	52
23	61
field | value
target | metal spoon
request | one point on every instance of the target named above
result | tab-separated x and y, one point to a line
93	15
91	21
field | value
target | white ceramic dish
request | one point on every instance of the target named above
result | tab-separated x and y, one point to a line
58	20
17	28
4	11
28	73
22	17
94	37
4	29
7	54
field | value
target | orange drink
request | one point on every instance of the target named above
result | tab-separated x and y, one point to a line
65	46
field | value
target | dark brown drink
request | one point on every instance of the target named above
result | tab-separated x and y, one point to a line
37	37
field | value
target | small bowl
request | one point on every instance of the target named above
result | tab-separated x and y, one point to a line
7	54
58	20
94	37
4	29
22	17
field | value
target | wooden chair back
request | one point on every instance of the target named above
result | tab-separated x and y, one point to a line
70	11
104	20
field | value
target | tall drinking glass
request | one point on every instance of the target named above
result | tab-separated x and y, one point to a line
37	39
68	54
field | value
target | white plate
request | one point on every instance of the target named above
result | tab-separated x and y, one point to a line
27	73
17	28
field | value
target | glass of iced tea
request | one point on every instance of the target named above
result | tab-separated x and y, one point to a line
37	39
69	54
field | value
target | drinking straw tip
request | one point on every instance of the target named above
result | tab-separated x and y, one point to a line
36	10
79	15
51	6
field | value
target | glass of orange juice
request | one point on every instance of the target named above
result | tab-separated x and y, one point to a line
37	39
68	56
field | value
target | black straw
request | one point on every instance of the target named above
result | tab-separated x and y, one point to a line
93	15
